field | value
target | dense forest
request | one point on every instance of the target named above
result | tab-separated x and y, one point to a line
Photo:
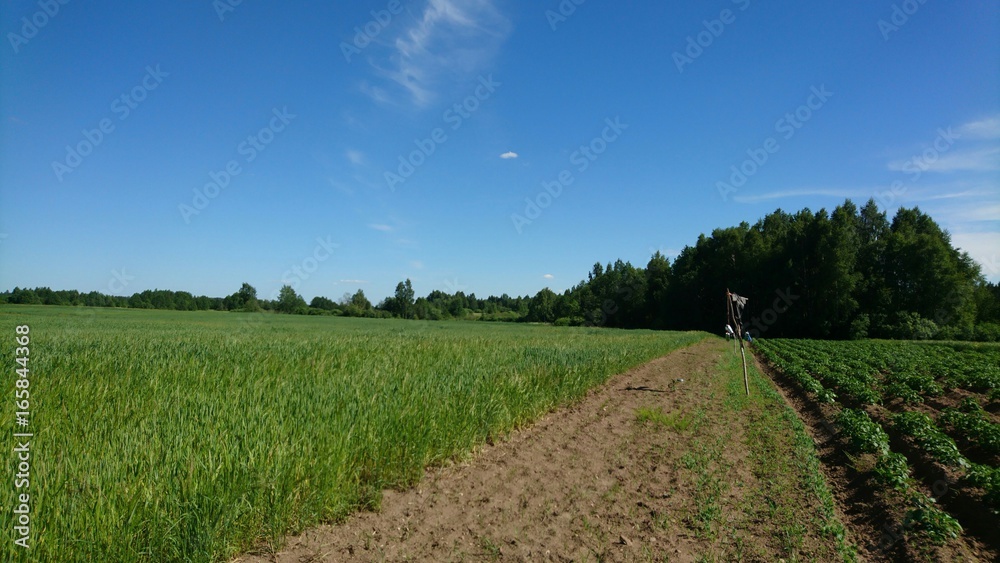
847	274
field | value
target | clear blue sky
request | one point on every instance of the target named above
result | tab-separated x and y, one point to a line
308	116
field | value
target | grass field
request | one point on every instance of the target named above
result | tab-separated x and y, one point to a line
167	436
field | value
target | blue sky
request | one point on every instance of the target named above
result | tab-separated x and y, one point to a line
487	146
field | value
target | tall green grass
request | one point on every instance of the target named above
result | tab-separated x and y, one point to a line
167	436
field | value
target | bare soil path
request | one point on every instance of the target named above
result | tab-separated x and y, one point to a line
657	464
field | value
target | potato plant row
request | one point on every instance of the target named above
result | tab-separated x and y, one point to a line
910	382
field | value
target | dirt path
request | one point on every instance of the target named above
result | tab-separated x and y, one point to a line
588	482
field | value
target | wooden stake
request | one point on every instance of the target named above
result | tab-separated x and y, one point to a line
739	335
746	380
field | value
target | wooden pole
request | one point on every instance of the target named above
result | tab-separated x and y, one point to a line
746	380
739	336
730	317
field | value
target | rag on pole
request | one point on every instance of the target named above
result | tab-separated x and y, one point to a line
734	311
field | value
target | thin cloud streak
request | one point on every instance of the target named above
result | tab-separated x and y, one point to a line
807	192
451	38
975	160
987	128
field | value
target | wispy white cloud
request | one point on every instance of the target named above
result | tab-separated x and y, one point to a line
970	210
549	277
975	192
417	264
509	155
970	147
964	213
375	93
986	128
981	159
355	281
381	227
984	212
947	195
448	39
842	193
957	189
984	248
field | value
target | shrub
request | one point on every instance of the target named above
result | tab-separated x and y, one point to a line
987	332
859	327
912	326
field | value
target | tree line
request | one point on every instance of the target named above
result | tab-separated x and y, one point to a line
437	305
851	273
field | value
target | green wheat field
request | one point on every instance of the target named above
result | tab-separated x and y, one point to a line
194	436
